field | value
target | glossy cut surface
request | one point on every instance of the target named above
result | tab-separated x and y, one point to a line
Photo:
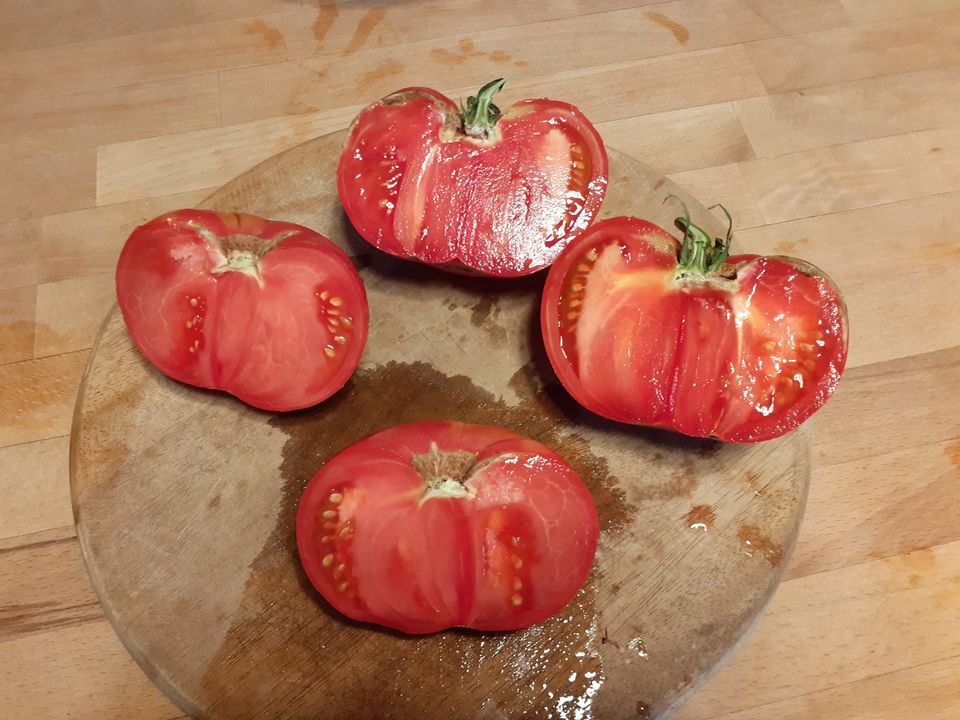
443	524
271	312
744	355
415	186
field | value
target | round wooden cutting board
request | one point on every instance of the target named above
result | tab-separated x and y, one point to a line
185	501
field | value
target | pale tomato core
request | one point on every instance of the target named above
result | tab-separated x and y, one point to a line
441	524
414	187
271	312
742	357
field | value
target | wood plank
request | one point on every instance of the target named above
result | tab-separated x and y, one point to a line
163	166
863	109
159	166
851	517
44	184
680	140
88	242
792	17
908	263
35	486
81	672
76	120
899	404
927	691
17	306
45	24
722	184
35	600
18	253
332	28
38	397
139	58
862	611
70	312
673	82
843	177
534	51
603	93
853	53
866	10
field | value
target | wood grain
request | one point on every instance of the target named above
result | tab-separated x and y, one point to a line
42	504
38	397
17	330
859	52
88	242
868	610
43	184
831	97
856	174
207	617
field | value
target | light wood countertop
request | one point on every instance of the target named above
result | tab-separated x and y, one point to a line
830	128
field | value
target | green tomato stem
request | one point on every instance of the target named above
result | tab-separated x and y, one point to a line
700	254
479	116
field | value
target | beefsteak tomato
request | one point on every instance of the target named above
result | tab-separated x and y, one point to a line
271	312
432	525
643	329
471	190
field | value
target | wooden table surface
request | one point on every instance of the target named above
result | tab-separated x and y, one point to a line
831	128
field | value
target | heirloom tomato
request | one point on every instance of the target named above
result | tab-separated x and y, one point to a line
440	524
271	312
643	329
469	189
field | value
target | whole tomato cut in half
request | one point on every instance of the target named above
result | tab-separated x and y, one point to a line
434	525
271	312
472	190
644	329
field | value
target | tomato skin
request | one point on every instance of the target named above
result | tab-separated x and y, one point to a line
271	312
509	546
744	355
416	187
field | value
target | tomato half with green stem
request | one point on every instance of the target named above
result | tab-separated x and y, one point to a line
472	189
645	329
433	525
271	312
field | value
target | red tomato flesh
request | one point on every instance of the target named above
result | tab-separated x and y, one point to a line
441	524
744	354
271	312
416	186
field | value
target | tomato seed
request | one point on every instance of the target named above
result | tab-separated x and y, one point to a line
327	560
335	498
516	600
